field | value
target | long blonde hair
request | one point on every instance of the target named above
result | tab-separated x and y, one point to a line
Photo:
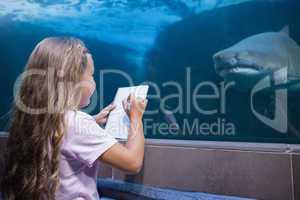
37	125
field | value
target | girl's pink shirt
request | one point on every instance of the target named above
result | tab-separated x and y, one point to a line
81	146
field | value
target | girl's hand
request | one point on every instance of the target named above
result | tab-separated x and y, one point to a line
134	107
102	116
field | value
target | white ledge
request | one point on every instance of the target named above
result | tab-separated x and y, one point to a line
239	146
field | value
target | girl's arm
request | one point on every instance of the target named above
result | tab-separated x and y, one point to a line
129	157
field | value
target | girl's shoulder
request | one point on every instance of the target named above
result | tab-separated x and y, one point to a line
76	115
78	121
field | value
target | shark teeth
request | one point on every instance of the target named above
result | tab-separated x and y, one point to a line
239	70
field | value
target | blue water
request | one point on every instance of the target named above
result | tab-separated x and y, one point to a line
156	40
133	24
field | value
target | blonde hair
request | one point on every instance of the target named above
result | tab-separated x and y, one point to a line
31	168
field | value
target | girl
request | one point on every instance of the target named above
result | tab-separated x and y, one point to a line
53	149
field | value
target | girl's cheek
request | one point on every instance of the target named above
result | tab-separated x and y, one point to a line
93	88
87	93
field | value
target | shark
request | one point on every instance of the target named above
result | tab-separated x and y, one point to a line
258	56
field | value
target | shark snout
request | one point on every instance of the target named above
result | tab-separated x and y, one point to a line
228	63
224	61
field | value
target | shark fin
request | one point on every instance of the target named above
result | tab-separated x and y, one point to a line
285	29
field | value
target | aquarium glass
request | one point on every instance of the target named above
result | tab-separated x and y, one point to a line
219	70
